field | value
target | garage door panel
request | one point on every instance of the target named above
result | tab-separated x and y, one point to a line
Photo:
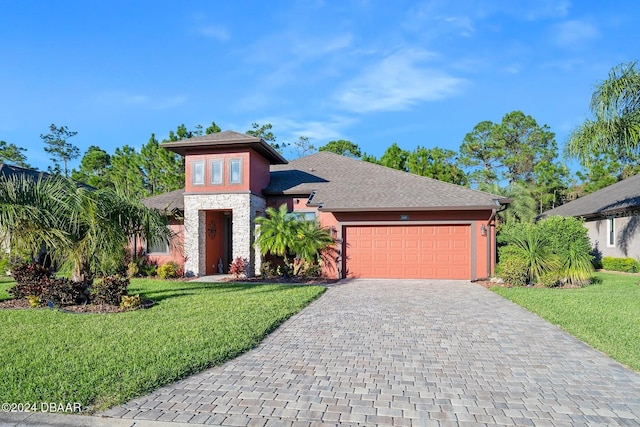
411	251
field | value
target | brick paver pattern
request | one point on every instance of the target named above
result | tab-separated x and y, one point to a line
406	353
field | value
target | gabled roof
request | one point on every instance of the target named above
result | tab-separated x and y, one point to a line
226	140
621	196
9	171
167	203
345	184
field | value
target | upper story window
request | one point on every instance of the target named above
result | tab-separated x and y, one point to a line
235	171
611	232
216	171
197	176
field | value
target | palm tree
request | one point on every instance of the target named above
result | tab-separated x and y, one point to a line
283	234
277	232
86	228
310	241
615	105
532	249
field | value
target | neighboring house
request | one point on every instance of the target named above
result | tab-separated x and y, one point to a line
387	223
611	217
10	172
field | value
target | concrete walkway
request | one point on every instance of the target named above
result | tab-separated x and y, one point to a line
410	353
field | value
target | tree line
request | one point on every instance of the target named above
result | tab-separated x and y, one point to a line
516	157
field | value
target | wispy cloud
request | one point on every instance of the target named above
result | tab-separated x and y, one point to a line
397	82
574	33
316	130
216	32
123	99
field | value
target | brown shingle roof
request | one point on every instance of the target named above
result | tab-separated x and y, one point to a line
620	196
342	183
226	140
167	203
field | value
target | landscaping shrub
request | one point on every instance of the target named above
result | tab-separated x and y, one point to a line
554	250
132	269
33	280
513	270
130	301
239	267
28	277
109	290
62	291
627	265
168	270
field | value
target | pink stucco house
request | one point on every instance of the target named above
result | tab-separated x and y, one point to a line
387	223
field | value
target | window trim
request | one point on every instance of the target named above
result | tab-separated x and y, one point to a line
216	162
611	232
231	162
166	251
194	164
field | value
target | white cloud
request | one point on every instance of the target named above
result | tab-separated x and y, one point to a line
574	33
397	82
215	32
289	130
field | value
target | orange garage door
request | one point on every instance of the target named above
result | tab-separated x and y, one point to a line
412	251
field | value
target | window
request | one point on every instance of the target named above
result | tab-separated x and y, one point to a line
157	246
197	178
611	232
216	171
235	171
304	216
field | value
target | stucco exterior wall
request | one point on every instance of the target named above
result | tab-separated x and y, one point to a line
244	208
626	241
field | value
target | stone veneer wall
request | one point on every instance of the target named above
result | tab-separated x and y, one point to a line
243	206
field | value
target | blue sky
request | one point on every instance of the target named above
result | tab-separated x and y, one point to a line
373	72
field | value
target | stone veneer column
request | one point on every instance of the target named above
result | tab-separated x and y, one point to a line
243	208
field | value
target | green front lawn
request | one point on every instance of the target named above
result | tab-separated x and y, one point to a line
101	360
606	315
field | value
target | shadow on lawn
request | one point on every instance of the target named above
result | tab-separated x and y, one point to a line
205	287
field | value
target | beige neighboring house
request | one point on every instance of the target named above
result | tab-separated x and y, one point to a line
612	217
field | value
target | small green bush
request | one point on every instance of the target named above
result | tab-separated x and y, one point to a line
168	270
627	265
130	301
132	269
109	290
549	279
513	270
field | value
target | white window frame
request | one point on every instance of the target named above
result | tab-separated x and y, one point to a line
194	174
220	177
152	247
611	232
231	163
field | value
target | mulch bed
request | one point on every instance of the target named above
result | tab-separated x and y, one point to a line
84	308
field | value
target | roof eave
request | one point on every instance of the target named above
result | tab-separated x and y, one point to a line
410	208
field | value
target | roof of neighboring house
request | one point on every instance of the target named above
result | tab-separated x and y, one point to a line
341	183
8	171
224	141
167	203
621	196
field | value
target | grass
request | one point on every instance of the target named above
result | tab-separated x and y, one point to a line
605	316
101	360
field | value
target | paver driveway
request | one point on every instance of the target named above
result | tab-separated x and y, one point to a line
406	353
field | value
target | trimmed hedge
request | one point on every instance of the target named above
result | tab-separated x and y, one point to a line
627	265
